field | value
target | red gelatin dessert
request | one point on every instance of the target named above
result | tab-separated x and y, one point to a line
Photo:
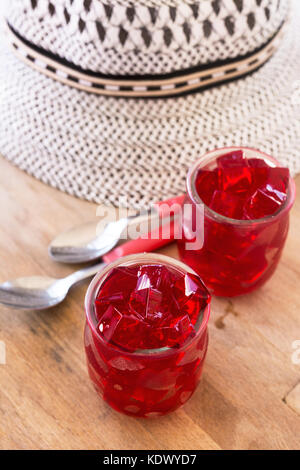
247	197
146	334
243	189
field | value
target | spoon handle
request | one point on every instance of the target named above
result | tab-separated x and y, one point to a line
153	241
84	273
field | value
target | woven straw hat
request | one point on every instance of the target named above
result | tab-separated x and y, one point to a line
110	98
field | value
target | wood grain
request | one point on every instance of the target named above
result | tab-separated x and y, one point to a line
249	396
293	399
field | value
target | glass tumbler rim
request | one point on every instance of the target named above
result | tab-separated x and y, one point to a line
135	259
211	156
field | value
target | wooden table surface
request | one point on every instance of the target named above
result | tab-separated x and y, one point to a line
249	397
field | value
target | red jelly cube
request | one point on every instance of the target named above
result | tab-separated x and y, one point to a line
191	296
232	159
261	204
154	305
179	331
206	183
112	292
235	179
144	300
109	321
159	276
275	178
227	204
257	163
278	179
126	333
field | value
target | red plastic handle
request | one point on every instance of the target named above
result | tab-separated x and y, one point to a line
158	238
175	203
142	245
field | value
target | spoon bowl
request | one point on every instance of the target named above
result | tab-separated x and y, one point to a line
34	293
41	292
82	244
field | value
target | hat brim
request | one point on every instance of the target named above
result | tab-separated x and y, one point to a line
136	151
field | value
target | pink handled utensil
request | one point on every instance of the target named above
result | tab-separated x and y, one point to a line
83	244
41	292
156	239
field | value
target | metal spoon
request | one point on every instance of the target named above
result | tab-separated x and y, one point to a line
39	292
82	244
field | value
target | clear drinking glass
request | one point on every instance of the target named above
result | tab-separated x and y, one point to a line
150	382
237	256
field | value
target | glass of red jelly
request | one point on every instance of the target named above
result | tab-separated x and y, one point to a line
146	333
246	197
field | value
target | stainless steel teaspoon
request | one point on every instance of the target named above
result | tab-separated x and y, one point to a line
82	243
39	292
